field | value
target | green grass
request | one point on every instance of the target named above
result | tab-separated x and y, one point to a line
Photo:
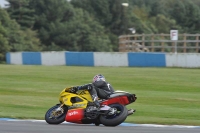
165	95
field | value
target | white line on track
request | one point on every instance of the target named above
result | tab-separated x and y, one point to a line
123	124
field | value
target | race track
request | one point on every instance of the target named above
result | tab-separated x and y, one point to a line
42	127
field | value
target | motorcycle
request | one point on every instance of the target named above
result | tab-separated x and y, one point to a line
79	108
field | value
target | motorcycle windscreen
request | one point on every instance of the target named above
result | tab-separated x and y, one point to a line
75	115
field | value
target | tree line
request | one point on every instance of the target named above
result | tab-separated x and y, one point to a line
89	25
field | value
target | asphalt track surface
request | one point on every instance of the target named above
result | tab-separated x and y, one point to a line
43	127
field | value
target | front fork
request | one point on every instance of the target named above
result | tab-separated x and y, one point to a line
60	108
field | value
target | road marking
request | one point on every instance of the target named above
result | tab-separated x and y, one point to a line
123	124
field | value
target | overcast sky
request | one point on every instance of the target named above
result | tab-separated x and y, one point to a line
3	2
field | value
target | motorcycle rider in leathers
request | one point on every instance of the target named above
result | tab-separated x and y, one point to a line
99	88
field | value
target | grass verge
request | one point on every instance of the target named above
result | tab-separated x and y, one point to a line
165	95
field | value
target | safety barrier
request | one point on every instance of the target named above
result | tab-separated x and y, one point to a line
114	59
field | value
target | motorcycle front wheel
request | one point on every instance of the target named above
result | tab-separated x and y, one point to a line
55	115
116	118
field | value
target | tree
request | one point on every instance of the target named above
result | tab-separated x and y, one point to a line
164	24
27	41
49	16
59	24
4	47
22	12
187	14
86	34
110	14
88	25
17	39
99	9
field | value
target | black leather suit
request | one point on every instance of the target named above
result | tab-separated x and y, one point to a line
101	89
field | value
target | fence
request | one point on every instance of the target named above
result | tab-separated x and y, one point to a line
186	43
113	59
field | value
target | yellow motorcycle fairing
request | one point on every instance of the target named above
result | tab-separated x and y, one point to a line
78	100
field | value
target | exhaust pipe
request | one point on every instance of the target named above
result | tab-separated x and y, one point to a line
131	111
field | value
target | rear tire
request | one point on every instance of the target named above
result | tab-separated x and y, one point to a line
117	118
52	117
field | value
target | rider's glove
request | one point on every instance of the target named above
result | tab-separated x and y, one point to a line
74	89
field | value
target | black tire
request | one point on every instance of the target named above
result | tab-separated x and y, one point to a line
55	119
117	118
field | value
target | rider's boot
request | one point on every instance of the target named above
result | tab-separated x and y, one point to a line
96	102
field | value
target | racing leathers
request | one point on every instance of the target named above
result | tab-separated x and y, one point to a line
98	89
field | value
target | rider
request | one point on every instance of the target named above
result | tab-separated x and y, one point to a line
99	88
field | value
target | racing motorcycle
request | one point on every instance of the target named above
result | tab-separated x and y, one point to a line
79	108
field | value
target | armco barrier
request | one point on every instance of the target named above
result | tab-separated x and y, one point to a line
79	59
110	59
53	58
31	58
147	59
183	60
114	59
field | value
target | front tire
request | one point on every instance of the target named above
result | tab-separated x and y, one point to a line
53	116
117	118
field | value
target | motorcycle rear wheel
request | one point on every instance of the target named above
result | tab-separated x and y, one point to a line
55	117
117	118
